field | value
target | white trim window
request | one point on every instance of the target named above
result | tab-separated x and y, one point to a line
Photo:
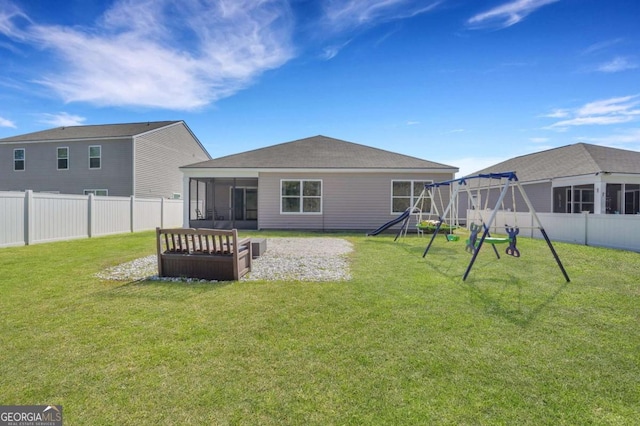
303	196
19	159
95	157
98	192
62	157
405	193
574	199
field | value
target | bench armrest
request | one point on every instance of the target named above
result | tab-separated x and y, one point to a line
244	241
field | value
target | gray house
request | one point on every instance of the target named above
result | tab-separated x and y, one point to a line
140	159
317	183
574	179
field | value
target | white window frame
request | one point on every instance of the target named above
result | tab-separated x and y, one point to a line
97	192
58	157
99	157
580	203
24	159
413	197
302	197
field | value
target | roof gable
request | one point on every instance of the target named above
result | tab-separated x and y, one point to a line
99	131
571	160
320	152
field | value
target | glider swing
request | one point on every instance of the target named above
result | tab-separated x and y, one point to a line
480	233
434	192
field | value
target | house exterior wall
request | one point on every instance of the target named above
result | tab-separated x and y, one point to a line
159	154
41	167
350	201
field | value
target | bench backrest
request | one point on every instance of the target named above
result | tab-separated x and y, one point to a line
197	241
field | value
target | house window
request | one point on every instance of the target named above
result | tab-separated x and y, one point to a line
583	199
62	154
405	194
99	192
301	196
19	160
95	157
632	199
573	199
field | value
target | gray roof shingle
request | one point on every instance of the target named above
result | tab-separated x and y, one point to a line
320	152
571	160
89	132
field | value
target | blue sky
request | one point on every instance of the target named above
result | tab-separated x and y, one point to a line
463	82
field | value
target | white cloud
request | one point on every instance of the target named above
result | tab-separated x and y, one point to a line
598	120
602	112
601	46
62	119
7	123
557	113
507	14
10	17
329	52
132	56
341	15
412	123
617	64
344	17
620	105
539	140
626	137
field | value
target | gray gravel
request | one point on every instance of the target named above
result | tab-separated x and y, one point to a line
286	259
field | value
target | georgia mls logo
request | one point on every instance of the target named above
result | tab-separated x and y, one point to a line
31	415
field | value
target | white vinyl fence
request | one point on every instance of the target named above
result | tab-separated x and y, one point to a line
602	230
30	217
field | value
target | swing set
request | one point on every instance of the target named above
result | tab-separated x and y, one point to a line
479	233
431	193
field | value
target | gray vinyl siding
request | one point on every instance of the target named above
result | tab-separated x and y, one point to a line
350	201
159	154
41	172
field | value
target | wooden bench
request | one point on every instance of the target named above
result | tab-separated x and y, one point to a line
210	254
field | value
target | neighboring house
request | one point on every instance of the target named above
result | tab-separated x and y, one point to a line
317	183
572	179
140	159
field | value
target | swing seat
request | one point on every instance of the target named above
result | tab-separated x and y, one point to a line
432	225
491	240
453	237
496	240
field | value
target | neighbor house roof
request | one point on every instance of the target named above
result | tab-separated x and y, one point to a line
90	132
320	152
571	160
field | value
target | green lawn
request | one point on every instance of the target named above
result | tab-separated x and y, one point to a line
405	342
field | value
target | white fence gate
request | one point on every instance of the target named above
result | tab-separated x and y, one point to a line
29	217
601	230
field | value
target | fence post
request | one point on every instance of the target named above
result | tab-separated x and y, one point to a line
161	212
586	228
91	202
132	208
28	217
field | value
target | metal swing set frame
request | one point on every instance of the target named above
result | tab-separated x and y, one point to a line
429	192
507	180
